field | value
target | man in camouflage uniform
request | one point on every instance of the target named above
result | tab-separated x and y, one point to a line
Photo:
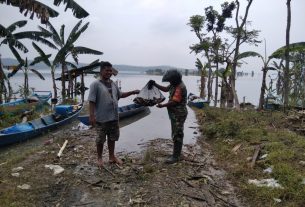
176	107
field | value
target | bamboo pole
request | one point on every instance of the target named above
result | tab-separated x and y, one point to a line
62	149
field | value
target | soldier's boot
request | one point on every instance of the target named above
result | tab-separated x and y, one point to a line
176	153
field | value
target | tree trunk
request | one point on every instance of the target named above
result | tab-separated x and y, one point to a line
240	27
209	84
216	84
26	84
63	81
53	81
82	87
1	84
263	89
202	84
286	69
223	95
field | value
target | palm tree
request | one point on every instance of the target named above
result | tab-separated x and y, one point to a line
66	47
42	11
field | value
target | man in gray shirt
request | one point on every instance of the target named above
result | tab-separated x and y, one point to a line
103	106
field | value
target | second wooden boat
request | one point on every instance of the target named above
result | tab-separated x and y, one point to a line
124	112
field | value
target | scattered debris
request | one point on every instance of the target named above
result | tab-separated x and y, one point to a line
49	141
277	200
302	163
81	127
15	174
271	182
303	181
17	169
263	156
3	163
24	186
234	150
268	170
57	169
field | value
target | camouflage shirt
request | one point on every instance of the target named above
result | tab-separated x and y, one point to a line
179	95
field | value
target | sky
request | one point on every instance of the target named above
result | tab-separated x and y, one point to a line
155	32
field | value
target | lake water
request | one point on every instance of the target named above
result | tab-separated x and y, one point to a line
156	124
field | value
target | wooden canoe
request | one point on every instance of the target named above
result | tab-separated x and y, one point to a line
124	112
36	127
195	101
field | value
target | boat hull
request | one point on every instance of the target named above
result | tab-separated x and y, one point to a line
124	112
40	126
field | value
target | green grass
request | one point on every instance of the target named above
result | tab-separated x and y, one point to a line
224	129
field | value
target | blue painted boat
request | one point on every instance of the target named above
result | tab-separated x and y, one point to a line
36	127
195	101
38	98
124	112
272	102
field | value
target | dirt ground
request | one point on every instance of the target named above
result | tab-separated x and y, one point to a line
143	179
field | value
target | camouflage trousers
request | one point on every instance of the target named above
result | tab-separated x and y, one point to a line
108	130
177	126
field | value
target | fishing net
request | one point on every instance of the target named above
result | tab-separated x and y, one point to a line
149	96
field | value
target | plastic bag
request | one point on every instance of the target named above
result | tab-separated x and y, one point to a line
149	97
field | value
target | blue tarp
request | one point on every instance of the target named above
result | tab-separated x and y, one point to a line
63	109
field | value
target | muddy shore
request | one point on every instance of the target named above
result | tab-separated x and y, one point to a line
143	179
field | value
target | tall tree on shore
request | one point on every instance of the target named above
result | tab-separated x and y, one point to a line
240	28
286	69
211	46
65	47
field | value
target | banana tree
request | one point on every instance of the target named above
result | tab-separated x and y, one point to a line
6	90
42	11
280	54
265	70
203	73
9	37
65	47
46	60
224	74
24	67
